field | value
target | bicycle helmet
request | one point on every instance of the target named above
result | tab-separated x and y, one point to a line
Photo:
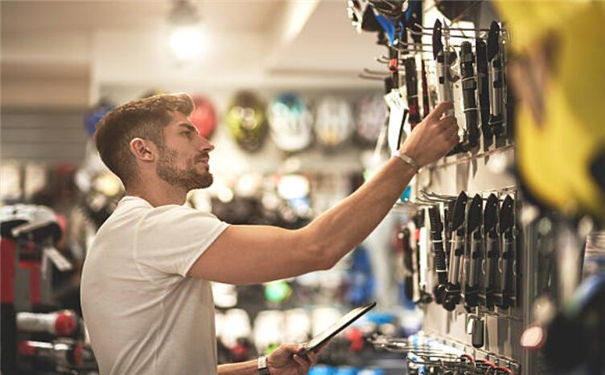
203	116
333	121
246	121
95	114
371	116
290	122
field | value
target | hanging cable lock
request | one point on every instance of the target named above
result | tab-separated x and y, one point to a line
469	87
411	86
483	91
496	120
473	253
453	290
439	256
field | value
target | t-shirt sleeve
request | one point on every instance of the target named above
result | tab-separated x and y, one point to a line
169	239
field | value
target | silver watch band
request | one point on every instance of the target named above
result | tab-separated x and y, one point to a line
407	159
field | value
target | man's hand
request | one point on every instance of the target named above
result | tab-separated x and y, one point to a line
287	360
433	137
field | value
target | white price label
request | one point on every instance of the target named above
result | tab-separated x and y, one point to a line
397	110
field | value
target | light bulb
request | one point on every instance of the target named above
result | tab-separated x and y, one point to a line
187	42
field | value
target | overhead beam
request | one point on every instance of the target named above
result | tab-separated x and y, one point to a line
294	16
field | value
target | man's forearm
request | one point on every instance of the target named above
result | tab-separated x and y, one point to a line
240	368
344	226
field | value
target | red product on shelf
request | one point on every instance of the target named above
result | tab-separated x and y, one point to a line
62	323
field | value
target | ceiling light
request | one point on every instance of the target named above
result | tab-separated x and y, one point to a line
186	37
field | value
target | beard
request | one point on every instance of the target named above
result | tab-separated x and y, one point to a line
188	178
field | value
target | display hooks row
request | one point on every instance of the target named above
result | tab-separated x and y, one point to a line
427	199
409	207
497	359
435	350
442	198
462	29
463	159
506	314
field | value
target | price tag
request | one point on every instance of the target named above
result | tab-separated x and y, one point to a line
397	111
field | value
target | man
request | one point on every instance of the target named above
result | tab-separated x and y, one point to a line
146	296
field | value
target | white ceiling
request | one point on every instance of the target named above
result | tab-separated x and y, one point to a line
90	15
273	43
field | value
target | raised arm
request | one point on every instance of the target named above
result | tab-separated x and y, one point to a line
245	254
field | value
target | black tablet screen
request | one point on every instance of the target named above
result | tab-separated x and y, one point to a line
335	328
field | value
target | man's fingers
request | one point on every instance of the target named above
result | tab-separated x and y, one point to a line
321	347
301	359
454	139
450	130
292	348
440	110
304	364
447	121
312	355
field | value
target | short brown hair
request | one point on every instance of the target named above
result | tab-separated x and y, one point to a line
143	118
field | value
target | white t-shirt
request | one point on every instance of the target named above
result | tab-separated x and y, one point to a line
143	314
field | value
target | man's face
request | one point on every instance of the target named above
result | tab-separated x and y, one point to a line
183	161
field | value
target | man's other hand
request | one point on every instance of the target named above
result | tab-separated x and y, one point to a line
289	360
434	137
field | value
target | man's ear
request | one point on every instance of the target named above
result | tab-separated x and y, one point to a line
143	149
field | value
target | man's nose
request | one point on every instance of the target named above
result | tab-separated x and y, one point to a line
205	145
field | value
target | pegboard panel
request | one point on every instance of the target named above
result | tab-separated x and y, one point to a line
482	173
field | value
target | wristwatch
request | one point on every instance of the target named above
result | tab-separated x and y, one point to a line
407	159
262	367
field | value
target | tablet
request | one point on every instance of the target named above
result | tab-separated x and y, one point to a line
335	328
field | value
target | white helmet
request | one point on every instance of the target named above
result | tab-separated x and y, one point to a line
290	122
333	121
372	113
